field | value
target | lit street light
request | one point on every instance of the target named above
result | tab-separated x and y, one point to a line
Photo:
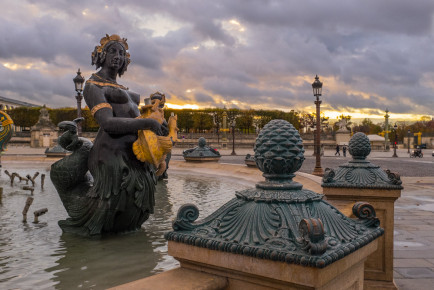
233	137
408	141
78	82
317	87
396	140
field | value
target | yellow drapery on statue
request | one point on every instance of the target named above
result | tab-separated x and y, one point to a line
150	147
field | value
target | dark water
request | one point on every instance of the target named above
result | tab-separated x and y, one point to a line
39	256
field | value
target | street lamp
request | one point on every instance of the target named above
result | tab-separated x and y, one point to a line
396	140
317	87
217	125
408	141
78	82
233	137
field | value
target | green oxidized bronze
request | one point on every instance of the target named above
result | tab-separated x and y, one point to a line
202	152
279	220
359	172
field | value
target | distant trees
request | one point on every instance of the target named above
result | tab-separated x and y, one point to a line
308	120
189	120
26	117
368	127
247	121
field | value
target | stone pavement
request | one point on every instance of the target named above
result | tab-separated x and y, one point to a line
25	150
414	211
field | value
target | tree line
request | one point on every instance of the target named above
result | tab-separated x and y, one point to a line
189	120
211	120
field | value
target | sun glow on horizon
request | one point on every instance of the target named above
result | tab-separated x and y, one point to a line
179	107
360	115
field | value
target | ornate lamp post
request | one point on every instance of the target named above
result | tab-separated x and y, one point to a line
408	140
396	140
233	137
317	87
217	126
386	131
78	82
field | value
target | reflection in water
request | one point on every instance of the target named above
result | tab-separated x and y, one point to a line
39	256
97	263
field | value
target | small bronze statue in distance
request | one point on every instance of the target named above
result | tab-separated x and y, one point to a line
104	187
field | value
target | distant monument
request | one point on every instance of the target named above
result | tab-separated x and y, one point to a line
343	135
44	133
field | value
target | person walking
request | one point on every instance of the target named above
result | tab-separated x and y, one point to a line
337	150
344	151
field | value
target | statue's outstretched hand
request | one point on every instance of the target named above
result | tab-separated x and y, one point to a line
155	127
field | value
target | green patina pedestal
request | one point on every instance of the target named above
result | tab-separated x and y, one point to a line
358	180
277	234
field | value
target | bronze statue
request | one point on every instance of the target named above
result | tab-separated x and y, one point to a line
118	195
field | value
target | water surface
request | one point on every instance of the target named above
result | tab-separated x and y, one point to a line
40	256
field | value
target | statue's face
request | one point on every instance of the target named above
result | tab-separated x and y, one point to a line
115	56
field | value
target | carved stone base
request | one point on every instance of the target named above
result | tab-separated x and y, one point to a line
379	266
318	171
379	285
245	272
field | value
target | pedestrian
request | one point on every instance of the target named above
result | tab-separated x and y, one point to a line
344	150
337	150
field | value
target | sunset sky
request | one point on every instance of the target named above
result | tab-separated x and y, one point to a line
370	55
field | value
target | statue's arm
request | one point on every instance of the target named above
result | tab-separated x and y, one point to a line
94	96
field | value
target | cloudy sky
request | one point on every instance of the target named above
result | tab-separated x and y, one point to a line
370	55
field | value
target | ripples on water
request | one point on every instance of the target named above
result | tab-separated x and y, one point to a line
39	256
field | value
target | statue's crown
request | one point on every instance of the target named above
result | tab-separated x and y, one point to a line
114	37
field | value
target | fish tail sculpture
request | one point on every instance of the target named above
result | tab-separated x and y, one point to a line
70	175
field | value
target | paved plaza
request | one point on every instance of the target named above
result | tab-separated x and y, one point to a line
414	211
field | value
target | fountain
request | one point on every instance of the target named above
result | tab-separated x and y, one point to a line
250	161
201	153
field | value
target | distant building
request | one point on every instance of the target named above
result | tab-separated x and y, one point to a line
377	141
6	104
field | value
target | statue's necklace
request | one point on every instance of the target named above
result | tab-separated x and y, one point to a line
104	82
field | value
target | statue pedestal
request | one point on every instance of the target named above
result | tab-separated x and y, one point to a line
342	137
44	132
202	268
243	272
379	265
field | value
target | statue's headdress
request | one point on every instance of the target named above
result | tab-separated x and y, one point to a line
99	53
158	96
